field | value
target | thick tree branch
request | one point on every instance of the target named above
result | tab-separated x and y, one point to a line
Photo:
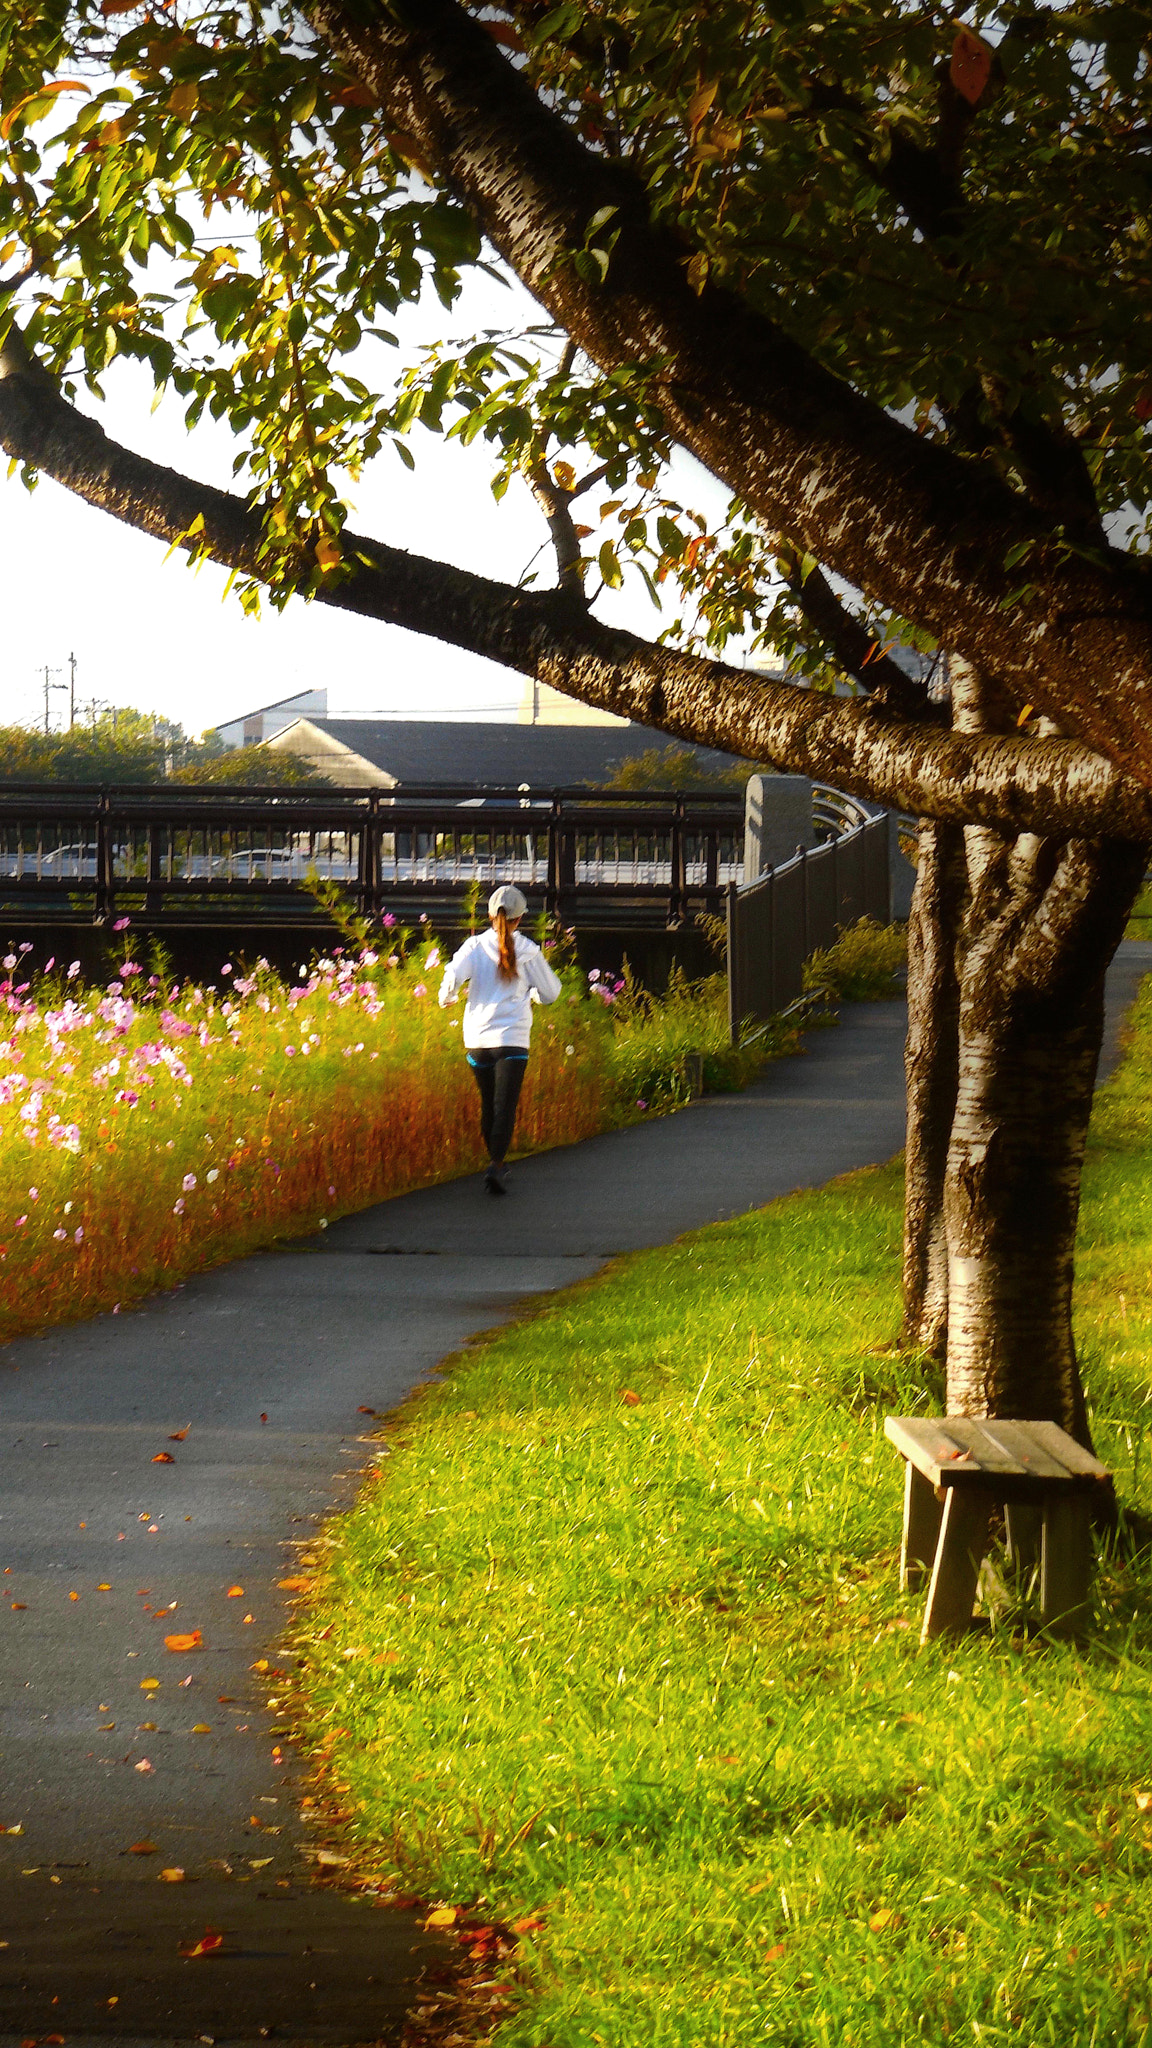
911	523
852	645
1054	786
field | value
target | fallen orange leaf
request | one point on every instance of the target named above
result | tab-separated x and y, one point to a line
192	1641
629	1399
206	1946
294	1585
73	1596
444	1916
235	1593
163	1458
201	1728
885	1918
142	1849
19	1606
177	1436
173	1876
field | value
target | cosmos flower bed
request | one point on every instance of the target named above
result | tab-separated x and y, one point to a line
148	1130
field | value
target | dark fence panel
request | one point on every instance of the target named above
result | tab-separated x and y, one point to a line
185	856
798	909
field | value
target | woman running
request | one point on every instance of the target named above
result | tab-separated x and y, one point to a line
504	971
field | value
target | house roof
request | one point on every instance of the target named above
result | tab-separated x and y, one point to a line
500	756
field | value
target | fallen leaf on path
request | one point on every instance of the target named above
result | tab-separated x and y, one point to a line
235	1593
260	1862
444	1916
226	1699
163	1458
142	1849
365	1411
103	1587
261	1664
332	1861
18	1606
144	1764
149	1684
173	1876
293	1585
206	1946
177	1436
191	1641
17	1829
148	1727
73	1596
105	1727
529	1926
201	1728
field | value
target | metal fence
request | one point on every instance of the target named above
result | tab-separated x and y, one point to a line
191	856
776	923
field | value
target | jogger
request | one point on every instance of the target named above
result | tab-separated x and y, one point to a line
506	973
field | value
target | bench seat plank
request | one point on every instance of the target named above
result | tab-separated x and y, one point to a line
1019	1460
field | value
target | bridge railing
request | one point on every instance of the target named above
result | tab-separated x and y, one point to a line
798	908
190	855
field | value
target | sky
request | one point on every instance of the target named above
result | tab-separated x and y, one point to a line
155	634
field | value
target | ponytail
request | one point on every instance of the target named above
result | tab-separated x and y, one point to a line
506	966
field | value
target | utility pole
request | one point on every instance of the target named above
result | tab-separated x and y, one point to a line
71	691
48	688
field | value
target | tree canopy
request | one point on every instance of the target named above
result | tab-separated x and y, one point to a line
879	267
128	746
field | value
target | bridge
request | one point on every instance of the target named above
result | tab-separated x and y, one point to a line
184	857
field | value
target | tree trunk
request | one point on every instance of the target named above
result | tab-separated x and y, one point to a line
1009	943
931	1059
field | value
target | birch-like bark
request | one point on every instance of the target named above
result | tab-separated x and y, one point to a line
931	1060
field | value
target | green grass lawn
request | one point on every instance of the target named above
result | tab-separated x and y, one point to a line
615	1639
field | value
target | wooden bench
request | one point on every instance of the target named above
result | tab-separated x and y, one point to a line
958	1470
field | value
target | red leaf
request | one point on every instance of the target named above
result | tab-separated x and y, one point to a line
207	1945
971	65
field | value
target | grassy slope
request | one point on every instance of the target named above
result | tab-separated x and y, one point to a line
646	1668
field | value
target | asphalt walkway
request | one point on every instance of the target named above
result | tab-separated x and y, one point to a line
269	1366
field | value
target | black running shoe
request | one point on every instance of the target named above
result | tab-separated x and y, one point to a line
494	1180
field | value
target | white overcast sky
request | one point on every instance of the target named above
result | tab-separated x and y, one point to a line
154	634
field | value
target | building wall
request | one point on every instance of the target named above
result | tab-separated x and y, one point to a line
342	767
542	705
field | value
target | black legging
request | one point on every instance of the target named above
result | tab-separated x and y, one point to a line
499	1071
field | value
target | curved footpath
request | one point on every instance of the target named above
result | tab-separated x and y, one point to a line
269	1364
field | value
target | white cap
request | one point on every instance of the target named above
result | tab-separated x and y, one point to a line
509	899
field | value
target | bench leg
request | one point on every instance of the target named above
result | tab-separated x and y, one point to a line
1066	1565
963	1541
922	1513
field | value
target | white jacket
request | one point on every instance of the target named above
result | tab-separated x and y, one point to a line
498	1012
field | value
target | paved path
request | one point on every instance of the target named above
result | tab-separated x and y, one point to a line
306	1338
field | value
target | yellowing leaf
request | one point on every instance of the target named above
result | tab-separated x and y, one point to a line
327	552
235	1593
294	1585
701	100
43	92
191	1641
184	99
697	269
174	1875
443	1916
201	1728
565	476
149	1684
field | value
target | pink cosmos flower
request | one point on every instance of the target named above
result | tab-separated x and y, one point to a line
178	1206
122	924
188	1183
60	1236
388	920
73	970
79	1239
289	1052
419	989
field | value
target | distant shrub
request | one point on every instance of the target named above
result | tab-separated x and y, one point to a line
863	966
